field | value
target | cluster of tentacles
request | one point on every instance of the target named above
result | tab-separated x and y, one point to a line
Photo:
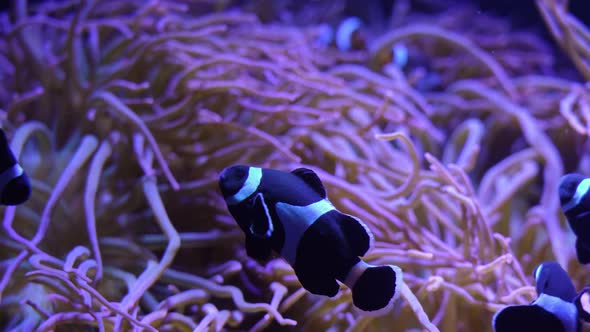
123	113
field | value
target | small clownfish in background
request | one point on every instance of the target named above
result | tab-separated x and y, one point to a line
15	187
552	311
347	35
575	204
350	35
290	214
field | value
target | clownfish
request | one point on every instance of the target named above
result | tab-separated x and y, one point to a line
575	204
350	35
15	187
291	214
553	310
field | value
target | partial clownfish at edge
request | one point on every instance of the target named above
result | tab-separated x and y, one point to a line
552	311
290	214
575	204
15	187
582	302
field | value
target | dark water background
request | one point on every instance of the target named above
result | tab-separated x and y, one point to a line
521	14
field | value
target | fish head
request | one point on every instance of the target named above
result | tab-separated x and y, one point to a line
232	179
240	188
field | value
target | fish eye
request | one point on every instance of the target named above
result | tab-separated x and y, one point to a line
237	174
240	173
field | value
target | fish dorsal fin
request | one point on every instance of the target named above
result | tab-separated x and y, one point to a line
357	234
261	226
311	179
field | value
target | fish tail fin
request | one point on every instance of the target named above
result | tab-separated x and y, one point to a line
377	287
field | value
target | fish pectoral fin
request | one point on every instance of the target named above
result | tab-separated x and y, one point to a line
357	234
261	225
312	179
318	284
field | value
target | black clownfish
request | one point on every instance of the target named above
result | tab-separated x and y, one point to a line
290	214
15	187
552	311
575	204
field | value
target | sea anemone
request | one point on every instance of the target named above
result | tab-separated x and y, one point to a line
124	112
